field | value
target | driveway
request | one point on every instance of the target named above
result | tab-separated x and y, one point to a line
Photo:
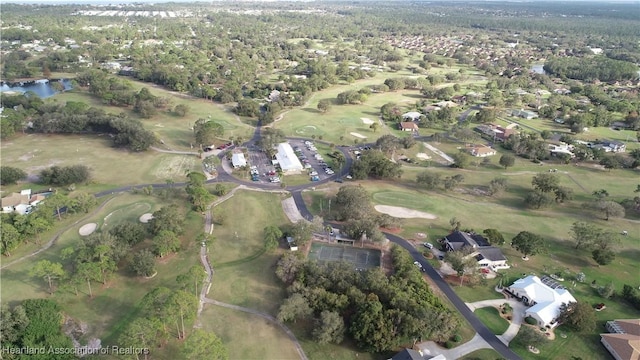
516	320
433	349
439	152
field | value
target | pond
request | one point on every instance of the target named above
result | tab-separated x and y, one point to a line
43	88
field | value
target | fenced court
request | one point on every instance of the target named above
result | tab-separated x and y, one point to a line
361	258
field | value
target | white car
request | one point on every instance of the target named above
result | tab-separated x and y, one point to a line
428	245
313	173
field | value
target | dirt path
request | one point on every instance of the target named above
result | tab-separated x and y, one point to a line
177	152
439	152
55	237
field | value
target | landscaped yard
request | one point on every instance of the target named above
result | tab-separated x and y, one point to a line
248	336
483	354
490	316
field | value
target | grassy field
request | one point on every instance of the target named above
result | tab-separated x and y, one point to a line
110	167
483	354
248	336
115	303
492	319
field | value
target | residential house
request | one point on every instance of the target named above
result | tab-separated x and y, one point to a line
429	108
238	160
561	148
623	339
496	132
409	126
544	296
22	202
412	116
446	103
486	255
525	114
610	146
291	242
481	151
459	99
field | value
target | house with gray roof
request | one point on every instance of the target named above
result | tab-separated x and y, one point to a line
486	255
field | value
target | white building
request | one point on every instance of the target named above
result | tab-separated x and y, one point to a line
287	159
545	296
238	160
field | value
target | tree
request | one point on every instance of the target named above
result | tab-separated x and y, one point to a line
603	256
301	231
611	162
11	175
9	238
450	182
461	262
460	160
329	328
528	336
584	234
13	324
374	126
196	275
497	185
206	131
537	199
600	194
578	316
130	233
351	202
144	263
324	105
369	326
563	194
545	182
247	107
165	242
494	236
272	234
143	333
49	271
181	110
607	291
610	209
528	243
167	218
288	267
204	345
507	160
88	271
429	180
65	175
293	308
181	306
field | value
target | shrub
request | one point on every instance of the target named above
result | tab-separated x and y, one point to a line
457	338
531	321
449	344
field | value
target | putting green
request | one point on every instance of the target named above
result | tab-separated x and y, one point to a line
397	198
350	122
130	212
309	130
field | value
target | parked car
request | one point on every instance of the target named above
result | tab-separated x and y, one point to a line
315	178
428	245
313	173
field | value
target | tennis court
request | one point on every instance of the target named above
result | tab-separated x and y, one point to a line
360	258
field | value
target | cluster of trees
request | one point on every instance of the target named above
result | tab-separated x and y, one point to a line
591	68
166	313
65	175
527	145
35	324
75	118
528	243
11	175
431	180
374	163
379	312
199	196
579	316
631	294
352	205
17	229
353	97
600	242
206	131
547	190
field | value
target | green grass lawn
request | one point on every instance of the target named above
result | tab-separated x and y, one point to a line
116	303
248	336
110	166
482	354
492	319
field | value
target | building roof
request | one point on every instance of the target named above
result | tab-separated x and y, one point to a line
482	150
15	199
548	298
491	253
411	115
408	125
626	326
407	354
626	346
287	159
238	160
458	239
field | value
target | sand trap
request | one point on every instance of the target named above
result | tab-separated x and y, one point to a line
404	213
358	135
423	156
88	229
366	121
146	217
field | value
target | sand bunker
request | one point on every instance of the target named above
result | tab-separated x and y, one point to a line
88	229
404	213
146	217
366	121
423	156
358	135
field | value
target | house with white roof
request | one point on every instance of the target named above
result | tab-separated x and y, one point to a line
287	159
544	296
412	116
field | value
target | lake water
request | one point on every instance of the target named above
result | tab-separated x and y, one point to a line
42	88
538	69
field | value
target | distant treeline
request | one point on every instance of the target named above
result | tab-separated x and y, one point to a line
72	118
592	68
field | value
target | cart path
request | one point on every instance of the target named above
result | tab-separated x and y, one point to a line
55	237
